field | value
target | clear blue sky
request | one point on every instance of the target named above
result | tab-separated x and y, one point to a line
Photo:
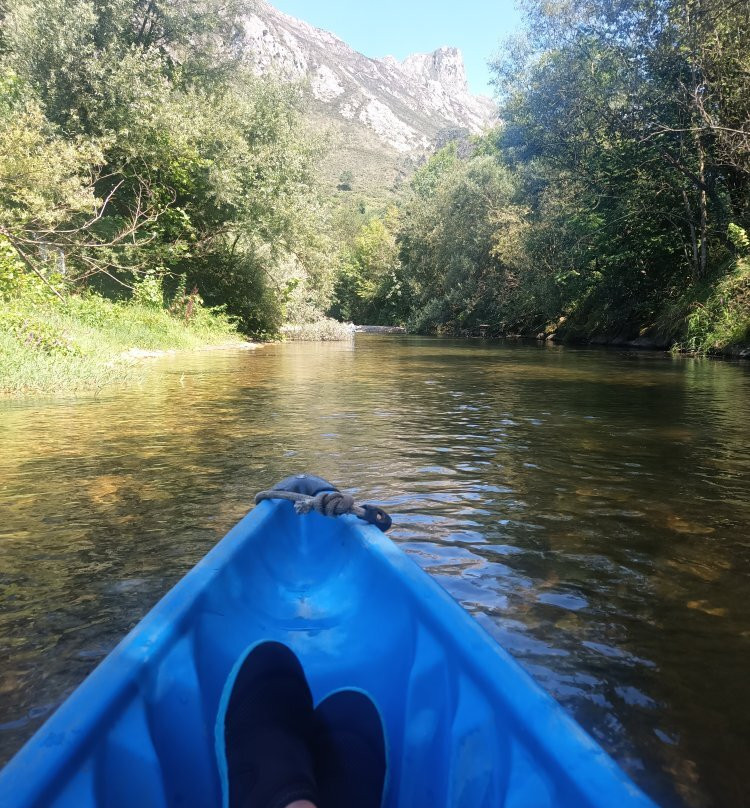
400	27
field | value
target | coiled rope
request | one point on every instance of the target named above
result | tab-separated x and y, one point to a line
329	503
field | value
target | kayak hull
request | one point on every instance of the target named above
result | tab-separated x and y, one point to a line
465	726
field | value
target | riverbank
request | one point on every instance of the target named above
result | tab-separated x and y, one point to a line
656	343
645	342
710	320
650	342
86	343
741	351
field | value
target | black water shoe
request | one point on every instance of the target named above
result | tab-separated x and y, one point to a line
266	759
350	757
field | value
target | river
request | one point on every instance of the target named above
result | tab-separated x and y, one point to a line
589	507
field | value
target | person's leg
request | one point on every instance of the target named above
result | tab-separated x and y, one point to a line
265	733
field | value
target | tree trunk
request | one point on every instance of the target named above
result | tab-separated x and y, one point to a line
703	210
693	236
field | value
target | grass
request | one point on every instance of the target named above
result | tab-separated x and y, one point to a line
722	320
714	317
80	344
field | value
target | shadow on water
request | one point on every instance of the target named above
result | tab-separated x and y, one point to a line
588	507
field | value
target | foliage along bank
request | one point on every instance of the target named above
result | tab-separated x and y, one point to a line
72	343
136	141
613	202
137	147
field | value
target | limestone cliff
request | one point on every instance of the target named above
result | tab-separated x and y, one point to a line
404	108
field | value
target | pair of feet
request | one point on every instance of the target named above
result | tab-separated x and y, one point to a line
275	749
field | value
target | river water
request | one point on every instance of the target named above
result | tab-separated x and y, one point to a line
589	507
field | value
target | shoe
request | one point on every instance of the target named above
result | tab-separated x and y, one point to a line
264	732
349	751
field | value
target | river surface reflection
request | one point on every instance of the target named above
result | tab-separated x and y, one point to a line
589	507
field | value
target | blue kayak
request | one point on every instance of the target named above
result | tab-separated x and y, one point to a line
465	725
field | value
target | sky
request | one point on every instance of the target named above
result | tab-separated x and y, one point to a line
380	28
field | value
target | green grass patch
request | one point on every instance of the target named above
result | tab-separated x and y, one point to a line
80	343
720	319
724	319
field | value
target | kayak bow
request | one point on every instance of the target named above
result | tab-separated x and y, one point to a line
465	725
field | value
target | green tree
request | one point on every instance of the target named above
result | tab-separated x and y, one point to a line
189	164
346	181
370	287
451	240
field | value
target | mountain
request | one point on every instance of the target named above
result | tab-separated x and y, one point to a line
384	115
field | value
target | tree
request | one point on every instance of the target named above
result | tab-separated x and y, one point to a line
449	240
346	181
164	154
606	102
607	194
369	287
49	208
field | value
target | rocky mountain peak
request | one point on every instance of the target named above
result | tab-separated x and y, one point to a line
444	66
406	105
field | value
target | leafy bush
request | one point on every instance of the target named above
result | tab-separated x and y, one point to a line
33	331
16	282
148	291
723	318
324	330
